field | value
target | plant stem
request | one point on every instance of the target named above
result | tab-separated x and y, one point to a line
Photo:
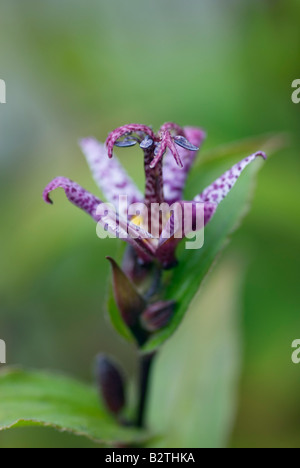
146	362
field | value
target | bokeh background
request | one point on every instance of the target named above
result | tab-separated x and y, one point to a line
77	68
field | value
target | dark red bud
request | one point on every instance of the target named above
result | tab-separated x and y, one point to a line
130	303
157	315
110	382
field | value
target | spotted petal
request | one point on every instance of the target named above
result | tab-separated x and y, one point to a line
186	218
75	194
217	191
108	218
109	175
174	176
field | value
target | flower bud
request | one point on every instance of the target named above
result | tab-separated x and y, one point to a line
130	303
110	382
157	315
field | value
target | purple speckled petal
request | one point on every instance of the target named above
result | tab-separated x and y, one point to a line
109	174
176	228
109	219
75	194
217	191
174	176
184	219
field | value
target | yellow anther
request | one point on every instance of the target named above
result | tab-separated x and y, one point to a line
137	220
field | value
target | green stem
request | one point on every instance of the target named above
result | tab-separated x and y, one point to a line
146	362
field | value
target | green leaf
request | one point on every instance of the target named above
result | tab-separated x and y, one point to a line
194	386
269	143
184	281
45	399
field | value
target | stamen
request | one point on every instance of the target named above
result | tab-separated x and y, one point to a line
126	143
184	143
146	143
126	130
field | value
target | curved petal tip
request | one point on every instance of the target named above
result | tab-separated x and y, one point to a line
261	154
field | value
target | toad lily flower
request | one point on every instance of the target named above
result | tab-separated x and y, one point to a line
168	158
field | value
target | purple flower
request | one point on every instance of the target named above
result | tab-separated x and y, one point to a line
168	158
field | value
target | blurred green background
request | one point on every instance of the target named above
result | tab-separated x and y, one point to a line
77	68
